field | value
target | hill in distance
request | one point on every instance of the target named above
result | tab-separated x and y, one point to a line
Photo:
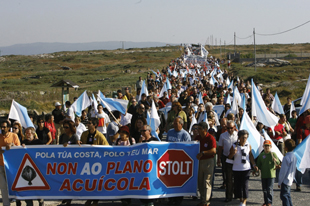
41	47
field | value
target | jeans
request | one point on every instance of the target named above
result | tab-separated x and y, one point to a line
298	178
285	195
4	187
267	184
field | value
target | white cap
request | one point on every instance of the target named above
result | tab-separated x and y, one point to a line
57	104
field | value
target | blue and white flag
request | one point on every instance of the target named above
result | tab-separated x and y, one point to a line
19	113
259	109
100	94
274	147
243	102
81	103
204	52
231	85
153	120
162	91
234	108
143	90
276	105
306	93
236	94
175	73
302	152
115	104
305	106
228	100
95	103
169	71
168	84
200	98
255	139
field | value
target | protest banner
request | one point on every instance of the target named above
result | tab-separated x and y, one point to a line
145	171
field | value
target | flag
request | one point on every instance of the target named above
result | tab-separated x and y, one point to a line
236	95
306	93
200	98
259	109
227	81
243	102
305	106
19	113
194	121
115	104
302	152
100	94
81	103
168	84
228	100
154	73
292	108
164	89
274	147
276	105
153	120
175	73
144	90
234	108
95	103
255	139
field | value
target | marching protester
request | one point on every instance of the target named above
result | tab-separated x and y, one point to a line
206	163
7	139
43	133
243	158
49	124
58	118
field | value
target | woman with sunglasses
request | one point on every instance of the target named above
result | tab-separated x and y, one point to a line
69	136
43	133
17	129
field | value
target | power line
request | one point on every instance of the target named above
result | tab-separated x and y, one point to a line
283	31
244	37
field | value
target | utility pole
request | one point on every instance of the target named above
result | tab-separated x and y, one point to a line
235	42
254	50
225	48
220	48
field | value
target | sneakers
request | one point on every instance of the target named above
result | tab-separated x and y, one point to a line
298	189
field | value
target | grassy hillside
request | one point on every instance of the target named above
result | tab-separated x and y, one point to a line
27	79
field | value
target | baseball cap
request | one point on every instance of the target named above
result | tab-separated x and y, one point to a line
57	104
267	142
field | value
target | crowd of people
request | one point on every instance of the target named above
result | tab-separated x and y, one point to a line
183	118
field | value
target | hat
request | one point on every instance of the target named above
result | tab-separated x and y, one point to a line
57	104
307	119
267	142
124	129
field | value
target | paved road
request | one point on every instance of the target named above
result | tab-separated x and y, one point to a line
255	195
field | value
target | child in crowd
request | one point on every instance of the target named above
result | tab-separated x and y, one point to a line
267	162
287	173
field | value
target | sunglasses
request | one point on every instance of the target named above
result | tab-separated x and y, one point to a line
230	127
143	130
41	122
66	127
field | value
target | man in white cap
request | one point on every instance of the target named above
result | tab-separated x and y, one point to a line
58	118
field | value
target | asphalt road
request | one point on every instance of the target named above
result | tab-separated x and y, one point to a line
255	195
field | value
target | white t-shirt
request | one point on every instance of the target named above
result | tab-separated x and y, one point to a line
70	113
226	141
103	121
80	129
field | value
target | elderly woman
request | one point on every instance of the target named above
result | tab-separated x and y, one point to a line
176	111
242	156
43	133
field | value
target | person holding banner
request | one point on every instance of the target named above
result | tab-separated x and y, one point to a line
241	156
206	163
7	139
177	134
93	137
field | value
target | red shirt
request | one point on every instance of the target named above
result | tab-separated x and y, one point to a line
277	128
206	143
303	132
52	128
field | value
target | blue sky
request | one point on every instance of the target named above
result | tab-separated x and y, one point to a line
169	21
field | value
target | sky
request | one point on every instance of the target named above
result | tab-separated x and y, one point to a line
168	21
